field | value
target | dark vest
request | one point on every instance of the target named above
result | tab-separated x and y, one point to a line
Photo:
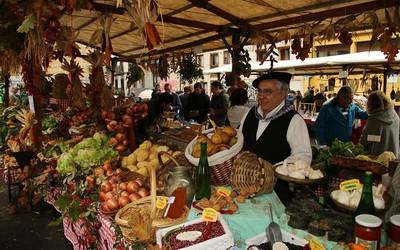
272	145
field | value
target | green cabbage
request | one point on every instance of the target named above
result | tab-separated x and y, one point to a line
66	164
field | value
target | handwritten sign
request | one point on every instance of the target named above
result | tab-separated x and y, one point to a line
315	244
161	202
224	192
350	185
210	215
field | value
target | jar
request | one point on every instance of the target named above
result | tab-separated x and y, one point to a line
368	230
180	176
394	229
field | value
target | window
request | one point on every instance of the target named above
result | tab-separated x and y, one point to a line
200	60
284	53
227	57
332	50
214	60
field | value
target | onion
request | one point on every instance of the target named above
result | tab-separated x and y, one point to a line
122	186
120	148
112	180
118	170
109	195
123	201
106	166
113	141
109	172
102	196
124	193
125	142
98	172
139	182
112	204
134	196
143	192
104	114
120	137
106	186
132	187
90	180
114	186
127	120
104	207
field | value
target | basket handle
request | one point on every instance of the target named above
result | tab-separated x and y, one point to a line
169	157
213	124
153	191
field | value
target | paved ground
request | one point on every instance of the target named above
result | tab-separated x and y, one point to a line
30	230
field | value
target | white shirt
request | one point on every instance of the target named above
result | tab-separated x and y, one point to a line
236	113
297	134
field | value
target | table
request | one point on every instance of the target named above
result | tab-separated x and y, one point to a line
252	219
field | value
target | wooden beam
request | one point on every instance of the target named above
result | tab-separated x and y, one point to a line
174	12
342	11
108	8
180	47
83	25
189	23
169	41
220	12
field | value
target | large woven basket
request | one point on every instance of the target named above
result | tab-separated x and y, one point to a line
139	219
251	171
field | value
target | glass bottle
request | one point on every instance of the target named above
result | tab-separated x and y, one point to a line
366	205
203	176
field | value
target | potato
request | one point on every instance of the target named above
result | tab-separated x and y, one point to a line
224	137
143	171
142	155
216	138
230	131
152	156
232	141
155	163
154	148
146	145
241	199
143	164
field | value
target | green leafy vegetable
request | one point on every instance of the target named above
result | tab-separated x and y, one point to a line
28	24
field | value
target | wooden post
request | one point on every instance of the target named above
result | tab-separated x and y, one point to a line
235	56
385	76
6	77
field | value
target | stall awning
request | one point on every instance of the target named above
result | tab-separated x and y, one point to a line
373	61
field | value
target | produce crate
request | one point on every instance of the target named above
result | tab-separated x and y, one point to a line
362	165
286	237
222	242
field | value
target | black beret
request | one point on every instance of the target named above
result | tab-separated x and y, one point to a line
282	76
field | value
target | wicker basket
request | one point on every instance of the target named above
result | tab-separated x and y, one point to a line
139	219
251	171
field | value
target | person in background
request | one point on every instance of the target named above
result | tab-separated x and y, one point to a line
309	98
298	99
199	104
238	107
319	100
335	119
382	130
155	109
156	91
219	104
64	104
272	129
184	100
170	101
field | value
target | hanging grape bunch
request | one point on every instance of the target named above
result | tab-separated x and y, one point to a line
50	24
345	37
301	52
388	47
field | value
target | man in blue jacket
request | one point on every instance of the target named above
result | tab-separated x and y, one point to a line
335	119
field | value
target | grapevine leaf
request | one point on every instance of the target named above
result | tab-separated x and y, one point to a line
28	24
74	211
63	202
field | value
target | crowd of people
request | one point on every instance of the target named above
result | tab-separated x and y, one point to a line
195	105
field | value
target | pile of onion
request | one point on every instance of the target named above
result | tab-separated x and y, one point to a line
114	195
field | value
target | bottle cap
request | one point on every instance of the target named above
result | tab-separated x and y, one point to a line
368	220
279	246
395	220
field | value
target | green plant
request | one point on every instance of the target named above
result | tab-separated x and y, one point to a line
135	73
189	69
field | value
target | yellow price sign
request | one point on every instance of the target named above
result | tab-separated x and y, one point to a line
224	192
350	185
210	215
315	244
161	202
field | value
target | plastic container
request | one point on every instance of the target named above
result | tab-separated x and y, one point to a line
394	229
368	230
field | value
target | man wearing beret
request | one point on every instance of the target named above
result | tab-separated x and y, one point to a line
272	129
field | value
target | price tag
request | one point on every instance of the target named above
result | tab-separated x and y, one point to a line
224	192
315	244
210	215
161	202
350	185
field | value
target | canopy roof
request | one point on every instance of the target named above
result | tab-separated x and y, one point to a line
373	62
185	24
